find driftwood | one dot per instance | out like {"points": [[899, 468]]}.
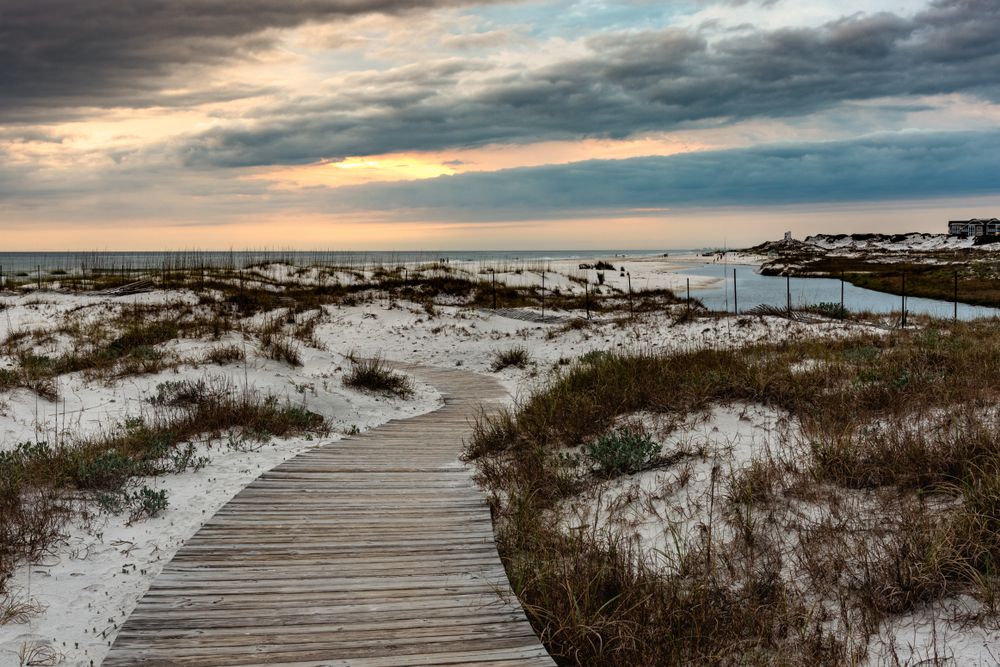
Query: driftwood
{"points": [[523, 315], [773, 311]]}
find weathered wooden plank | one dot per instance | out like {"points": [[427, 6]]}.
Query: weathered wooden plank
{"points": [[381, 653], [372, 551], [344, 648], [238, 630], [442, 560], [480, 658], [452, 582], [189, 617], [417, 603], [305, 573]]}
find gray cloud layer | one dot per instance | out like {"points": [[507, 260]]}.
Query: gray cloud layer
{"points": [[881, 167], [56, 55], [629, 83], [108, 53]]}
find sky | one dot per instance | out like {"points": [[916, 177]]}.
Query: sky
{"points": [[536, 124]]}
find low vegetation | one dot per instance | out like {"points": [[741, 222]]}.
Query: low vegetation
{"points": [[516, 356], [619, 453], [42, 484], [895, 464], [375, 374]]}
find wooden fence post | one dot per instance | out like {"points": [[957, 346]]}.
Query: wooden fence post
{"points": [[630, 312]]}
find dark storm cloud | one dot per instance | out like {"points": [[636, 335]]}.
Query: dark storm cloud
{"points": [[107, 53], [881, 167], [630, 83]]}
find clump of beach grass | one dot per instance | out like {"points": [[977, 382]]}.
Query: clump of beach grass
{"points": [[275, 343], [225, 354], [516, 356], [375, 374]]}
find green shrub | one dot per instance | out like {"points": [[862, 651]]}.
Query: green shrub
{"points": [[185, 458], [251, 441], [110, 470], [224, 354], [143, 336], [623, 452], [142, 504], [34, 361]]}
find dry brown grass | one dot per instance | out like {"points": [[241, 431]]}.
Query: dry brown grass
{"points": [[15, 608], [887, 501]]}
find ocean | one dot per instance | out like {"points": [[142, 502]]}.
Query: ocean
{"points": [[76, 262]]}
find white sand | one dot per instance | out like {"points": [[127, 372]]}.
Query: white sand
{"points": [[95, 576]]}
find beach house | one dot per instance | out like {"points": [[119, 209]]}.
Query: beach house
{"points": [[974, 227]]}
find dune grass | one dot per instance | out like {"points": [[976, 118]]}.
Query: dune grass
{"points": [[900, 427], [375, 374], [42, 484], [517, 356]]}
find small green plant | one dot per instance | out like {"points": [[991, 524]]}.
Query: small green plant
{"points": [[280, 348], [110, 470], [34, 361], [185, 458], [141, 504], [833, 310], [146, 335], [623, 452], [251, 441], [516, 356]]}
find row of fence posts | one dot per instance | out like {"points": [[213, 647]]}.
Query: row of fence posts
{"points": [[788, 292], [586, 293]]}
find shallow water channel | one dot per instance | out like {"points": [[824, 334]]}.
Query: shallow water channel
{"points": [[753, 290]]}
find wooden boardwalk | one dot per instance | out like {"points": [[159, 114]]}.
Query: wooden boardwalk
{"points": [[374, 551]]}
